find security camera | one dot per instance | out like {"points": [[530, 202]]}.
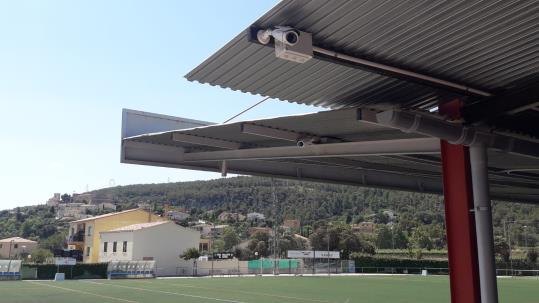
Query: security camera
{"points": [[308, 140], [286, 35], [290, 43], [282, 34]]}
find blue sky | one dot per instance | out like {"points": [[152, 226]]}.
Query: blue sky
{"points": [[67, 68]]}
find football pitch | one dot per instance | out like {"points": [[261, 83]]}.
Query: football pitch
{"points": [[337, 289]]}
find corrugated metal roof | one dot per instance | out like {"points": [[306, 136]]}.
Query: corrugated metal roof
{"points": [[486, 44], [340, 124], [511, 177]]}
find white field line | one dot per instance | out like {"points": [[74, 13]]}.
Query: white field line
{"points": [[255, 293], [83, 292], [168, 292]]}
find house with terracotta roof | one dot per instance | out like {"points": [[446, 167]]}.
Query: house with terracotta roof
{"points": [[15, 247], [161, 241]]}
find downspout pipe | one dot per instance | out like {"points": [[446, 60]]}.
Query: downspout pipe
{"points": [[483, 223], [455, 133], [478, 142]]}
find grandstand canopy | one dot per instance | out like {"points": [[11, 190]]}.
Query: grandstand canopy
{"points": [[483, 53], [349, 150], [489, 46]]}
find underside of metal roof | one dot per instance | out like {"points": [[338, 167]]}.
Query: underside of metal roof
{"points": [[383, 67], [348, 150], [489, 45]]}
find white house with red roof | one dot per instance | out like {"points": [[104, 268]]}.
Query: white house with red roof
{"points": [[162, 241]]}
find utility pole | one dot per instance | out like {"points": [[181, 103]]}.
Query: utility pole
{"points": [[329, 271], [10, 244], [392, 238], [275, 226], [211, 246], [510, 249], [9, 264], [504, 231], [525, 236]]}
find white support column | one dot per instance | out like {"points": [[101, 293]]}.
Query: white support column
{"points": [[483, 224]]}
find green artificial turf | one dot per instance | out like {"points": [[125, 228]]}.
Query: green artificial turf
{"points": [[255, 290]]}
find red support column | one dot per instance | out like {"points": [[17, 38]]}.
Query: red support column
{"points": [[459, 221]]}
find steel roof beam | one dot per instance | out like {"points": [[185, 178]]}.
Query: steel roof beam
{"points": [[269, 132], [397, 72], [178, 137], [363, 148], [166, 156], [509, 104]]}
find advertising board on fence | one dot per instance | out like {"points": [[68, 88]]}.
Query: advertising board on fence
{"points": [[64, 261], [316, 254]]}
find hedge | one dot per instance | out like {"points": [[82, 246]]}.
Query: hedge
{"points": [[78, 271], [368, 261]]}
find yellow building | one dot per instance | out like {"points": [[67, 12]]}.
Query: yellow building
{"points": [[84, 234]]}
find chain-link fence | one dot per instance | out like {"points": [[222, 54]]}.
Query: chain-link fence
{"points": [[10, 269], [315, 267]]}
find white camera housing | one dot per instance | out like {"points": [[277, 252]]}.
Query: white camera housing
{"points": [[285, 35], [290, 44]]}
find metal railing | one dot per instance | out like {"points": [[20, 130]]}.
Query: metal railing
{"points": [[318, 270], [76, 238]]}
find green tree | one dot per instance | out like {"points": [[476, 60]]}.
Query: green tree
{"points": [[501, 248], [384, 237], [400, 238], [262, 249], [218, 245], [381, 218], [56, 241], [18, 214], [27, 229], [340, 238], [531, 256], [259, 243], [287, 241], [230, 238], [260, 236], [190, 253], [41, 255], [420, 239], [243, 254]]}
